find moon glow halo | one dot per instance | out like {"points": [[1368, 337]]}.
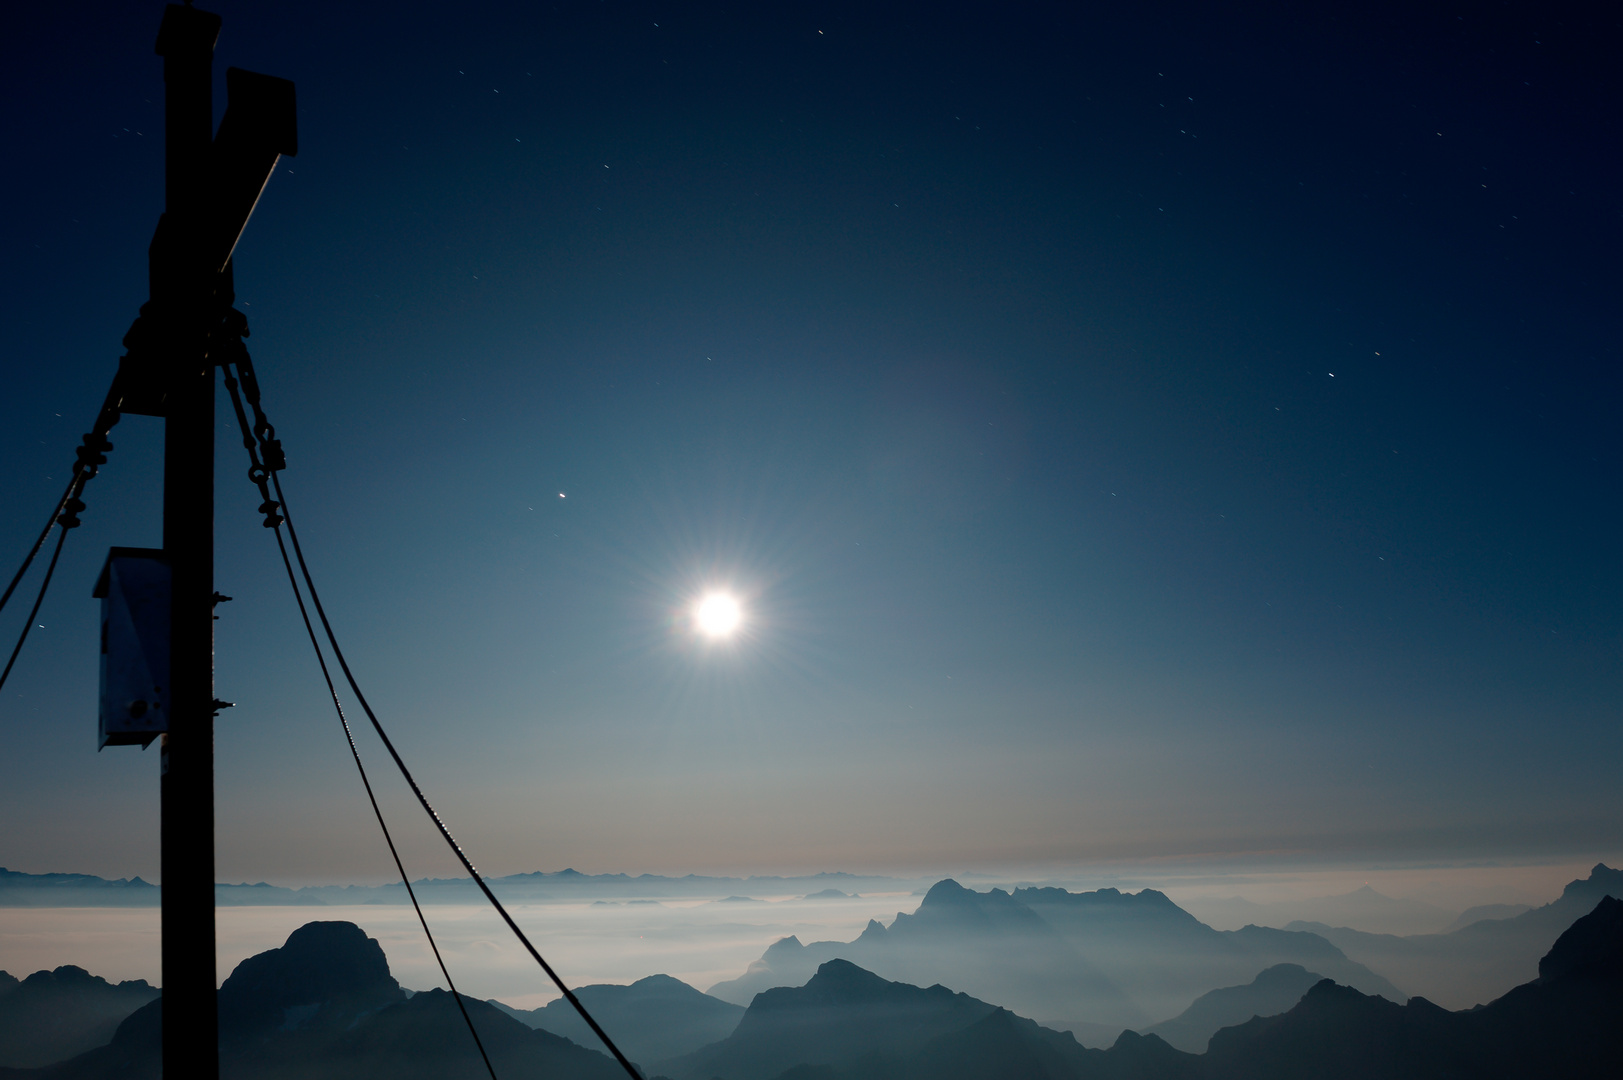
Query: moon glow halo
{"points": [[717, 615]]}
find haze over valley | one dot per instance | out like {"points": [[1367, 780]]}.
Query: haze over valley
{"points": [[1096, 968]]}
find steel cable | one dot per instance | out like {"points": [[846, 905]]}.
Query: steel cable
{"points": [[467, 864], [393, 853], [91, 453], [38, 600], [276, 514], [257, 473], [44, 533]]}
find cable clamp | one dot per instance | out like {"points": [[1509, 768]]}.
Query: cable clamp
{"points": [[69, 517]]}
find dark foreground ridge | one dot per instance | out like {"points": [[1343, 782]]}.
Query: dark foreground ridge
{"points": [[52, 1015], [1481, 960], [652, 1019], [324, 1007], [1272, 992], [850, 1024]]}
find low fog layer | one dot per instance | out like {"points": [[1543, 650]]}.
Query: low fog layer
{"points": [[326, 1005], [616, 933], [735, 945], [700, 942]]}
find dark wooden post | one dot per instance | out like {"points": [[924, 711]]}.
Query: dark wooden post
{"points": [[184, 304]]}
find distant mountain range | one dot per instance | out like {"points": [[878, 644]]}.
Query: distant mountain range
{"points": [[1478, 961], [18, 889], [324, 1006], [1094, 962], [1564, 1024], [1480, 912], [849, 1024], [1363, 907]]}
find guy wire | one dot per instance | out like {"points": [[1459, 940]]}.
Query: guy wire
{"points": [[38, 600], [257, 472], [467, 864], [291, 580]]}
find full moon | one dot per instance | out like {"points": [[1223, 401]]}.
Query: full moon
{"points": [[717, 615]]}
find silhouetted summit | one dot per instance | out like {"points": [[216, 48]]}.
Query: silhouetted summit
{"points": [[1479, 961], [986, 944], [1273, 991], [324, 1007], [1097, 961], [52, 1015], [841, 1015], [1164, 957], [1566, 1024], [850, 1024], [1591, 948], [651, 1019], [327, 975]]}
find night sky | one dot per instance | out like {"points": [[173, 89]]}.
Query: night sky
{"points": [[1133, 432]]}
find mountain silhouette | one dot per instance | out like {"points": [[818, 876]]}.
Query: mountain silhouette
{"points": [[1565, 1023], [326, 976], [52, 1015], [1363, 908], [1273, 991], [986, 944], [18, 889], [1164, 957], [1479, 961], [1096, 961], [425, 1039], [652, 1019], [1486, 911], [324, 1007], [847, 1023]]}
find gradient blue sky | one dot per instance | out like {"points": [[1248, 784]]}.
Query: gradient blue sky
{"points": [[1179, 432]]}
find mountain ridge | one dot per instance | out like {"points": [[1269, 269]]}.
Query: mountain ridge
{"points": [[1561, 1024], [1101, 961], [324, 1006], [20, 889], [52, 1015], [1484, 959], [656, 1017]]}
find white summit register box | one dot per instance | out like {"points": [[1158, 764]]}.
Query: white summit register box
{"points": [[134, 593]]}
